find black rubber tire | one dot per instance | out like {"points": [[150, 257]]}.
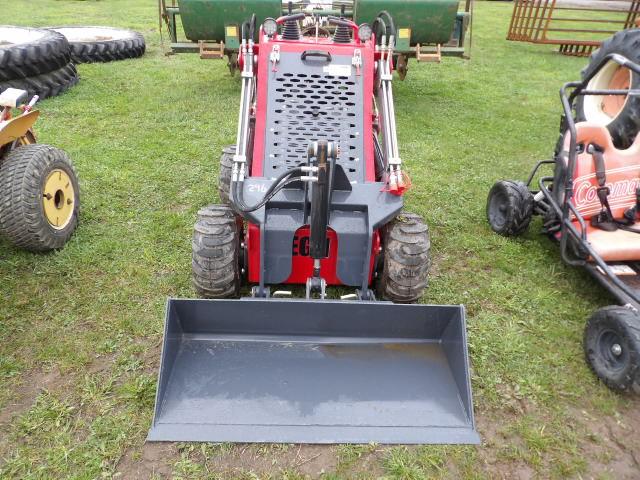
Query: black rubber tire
{"points": [[23, 172], [48, 84], [48, 53], [216, 270], [106, 50], [626, 124], [405, 264], [509, 207], [224, 174], [607, 327]]}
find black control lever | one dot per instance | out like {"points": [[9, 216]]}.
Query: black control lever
{"points": [[339, 21], [292, 17]]}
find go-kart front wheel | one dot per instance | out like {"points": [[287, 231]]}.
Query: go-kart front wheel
{"points": [[509, 207], [612, 347]]}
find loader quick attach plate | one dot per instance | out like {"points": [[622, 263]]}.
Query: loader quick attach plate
{"points": [[303, 371]]}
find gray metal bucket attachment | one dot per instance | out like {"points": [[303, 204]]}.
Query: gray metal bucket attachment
{"points": [[299, 371]]}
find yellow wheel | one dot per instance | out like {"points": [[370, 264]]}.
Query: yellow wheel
{"points": [[39, 197], [58, 197]]}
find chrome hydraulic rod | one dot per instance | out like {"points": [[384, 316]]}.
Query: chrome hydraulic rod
{"points": [[387, 117], [242, 139]]}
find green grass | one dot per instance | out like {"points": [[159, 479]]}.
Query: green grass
{"points": [[80, 329]]}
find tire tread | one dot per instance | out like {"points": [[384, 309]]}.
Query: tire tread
{"points": [[22, 220], [406, 263], [215, 247], [23, 60]]}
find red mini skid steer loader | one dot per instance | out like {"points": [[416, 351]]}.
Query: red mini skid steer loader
{"points": [[591, 207], [313, 190]]}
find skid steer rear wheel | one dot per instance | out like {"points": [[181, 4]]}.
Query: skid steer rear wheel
{"points": [[216, 262], [612, 347], [39, 197], [406, 262], [224, 174], [509, 208]]}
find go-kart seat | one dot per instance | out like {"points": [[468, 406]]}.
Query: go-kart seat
{"points": [[622, 169]]}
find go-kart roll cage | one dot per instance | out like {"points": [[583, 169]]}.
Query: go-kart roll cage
{"points": [[566, 211]]}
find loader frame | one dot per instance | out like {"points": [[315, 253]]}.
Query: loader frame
{"points": [[358, 202]]}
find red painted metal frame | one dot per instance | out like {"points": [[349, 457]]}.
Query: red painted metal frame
{"points": [[264, 69], [302, 266]]}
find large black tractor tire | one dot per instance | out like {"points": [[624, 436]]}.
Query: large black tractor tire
{"points": [[612, 347], [625, 125], [38, 211], [405, 259], [216, 262], [509, 208], [46, 85], [102, 44], [224, 174], [26, 52]]}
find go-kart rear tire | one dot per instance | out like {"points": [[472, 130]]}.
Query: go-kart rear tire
{"points": [[30, 52], [406, 260], [626, 124], [24, 175], [612, 347], [224, 174], [216, 270], [509, 208]]}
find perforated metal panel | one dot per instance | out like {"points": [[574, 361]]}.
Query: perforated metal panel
{"points": [[306, 104]]}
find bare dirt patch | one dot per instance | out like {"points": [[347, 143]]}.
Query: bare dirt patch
{"points": [[25, 395], [614, 446], [23, 399], [154, 459]]}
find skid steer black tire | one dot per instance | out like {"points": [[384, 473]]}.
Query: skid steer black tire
{"points": [[46, 85], [224, 174], [626, 124], [96, 48], [509, 208], [48, 51], [612, 347], [23, 172], [216, 253], [406, 261]]}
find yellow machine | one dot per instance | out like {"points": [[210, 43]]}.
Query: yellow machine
{"points": [[39, 191]]}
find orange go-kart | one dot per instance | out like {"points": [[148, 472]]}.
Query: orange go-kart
{"points": [[591, 207]]}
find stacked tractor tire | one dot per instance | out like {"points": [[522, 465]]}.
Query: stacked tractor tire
{"points": [[42, 61], [35, 60]]}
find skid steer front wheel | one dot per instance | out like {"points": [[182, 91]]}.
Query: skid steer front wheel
{"points": [[216, 247], [406, 261], [612, 347], [39, 197]]}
